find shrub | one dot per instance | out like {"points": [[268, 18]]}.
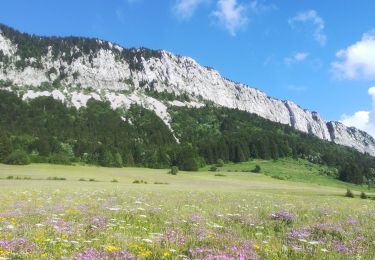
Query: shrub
{"points": [[278, 177], [118, 162], [257, 169], [10, 177], [92, 180], [140, 182], [213, 169], [220, 175], [18, 157], [114, 180], [56, 178], [363, 195], [349, 193], [174, 170], [82, 179], [163, 183], [220, 163]]}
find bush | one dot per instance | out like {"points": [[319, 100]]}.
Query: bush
{"points": [[18, 157], [349, 193], [140, 182], [220, 163], [82, 179], [56, 178], [213, 169], [277, 177], [220, 175], [363, 195], [118, 162], [257, 169], [114, 180], [174, 170]]}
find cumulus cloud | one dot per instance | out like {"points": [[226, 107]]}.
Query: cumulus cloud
{"points": [[364, 120], [296, 58], [185, 9], [358, 60], [311, 16], [231, 15]]}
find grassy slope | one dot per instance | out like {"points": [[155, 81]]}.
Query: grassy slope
{"points": [[302, 177], [288, 169], [241, 203]]}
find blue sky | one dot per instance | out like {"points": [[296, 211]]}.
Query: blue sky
{"points": [[320, 54]]}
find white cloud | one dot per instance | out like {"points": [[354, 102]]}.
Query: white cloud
{"points": [[364, 120], [357, 60], [231, 15], [185, 9], [296, 58], [311, 16]]}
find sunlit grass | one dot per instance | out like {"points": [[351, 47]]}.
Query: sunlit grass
{"points": [[59, 213]]}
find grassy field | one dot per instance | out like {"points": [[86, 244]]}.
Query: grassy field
{"points": [[85, 212]]}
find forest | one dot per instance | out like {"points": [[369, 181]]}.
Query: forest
{"points": [[44, 130]]}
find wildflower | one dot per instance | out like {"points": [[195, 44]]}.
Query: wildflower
{"points": [[283, 216], [111, 248], [166, 254], [10, 227]]}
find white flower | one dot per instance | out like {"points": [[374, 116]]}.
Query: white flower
{"points": [[324, 250], [10, 227], [147, 240]]}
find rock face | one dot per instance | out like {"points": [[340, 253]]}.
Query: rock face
{"points": [[105, 71]]}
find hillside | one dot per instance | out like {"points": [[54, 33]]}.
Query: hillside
{"points": [[75, 69], [72, 99]]}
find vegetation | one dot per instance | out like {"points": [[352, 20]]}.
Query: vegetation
{"points": [[67, 49], [174, 170], [349, 194], [46, 131], [18, 157], [256, 169], [196, 216]]}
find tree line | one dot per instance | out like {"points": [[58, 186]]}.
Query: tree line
{"points": [[46, 130]]}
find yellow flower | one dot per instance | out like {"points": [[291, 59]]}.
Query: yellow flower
{"points": [[111, 248], [13, 221], [145, 253], [166, 254], [44, 255], [4, 253], [256, 247]]}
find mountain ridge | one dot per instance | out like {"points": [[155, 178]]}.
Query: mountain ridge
{"points": [[75, 69]]}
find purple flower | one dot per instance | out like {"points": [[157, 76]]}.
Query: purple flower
{"points": [[283, 216]]}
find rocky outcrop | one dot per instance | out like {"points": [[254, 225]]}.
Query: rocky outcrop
{"points": [[105, 74]]}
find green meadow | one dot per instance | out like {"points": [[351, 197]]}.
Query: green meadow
{"points": [[289, 210]]}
